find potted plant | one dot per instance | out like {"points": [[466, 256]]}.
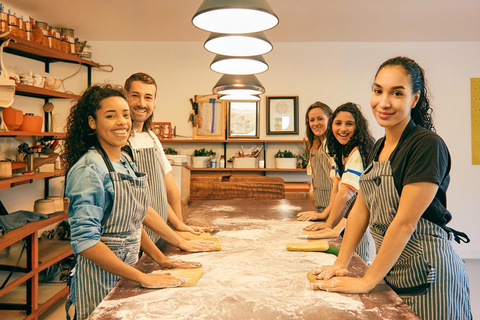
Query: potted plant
{"points": [[302, 161], [202, 158], [285, 160]]}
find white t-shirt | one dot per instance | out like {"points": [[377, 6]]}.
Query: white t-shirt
{"points": [[352, 171], [146, 140]]}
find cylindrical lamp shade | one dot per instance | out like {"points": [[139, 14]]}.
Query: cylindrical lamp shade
{"points": [[238, 82], [242, 45], [235, 16], [239, 97], [239, 65]]}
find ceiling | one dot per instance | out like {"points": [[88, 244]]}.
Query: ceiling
{"points": [[300, 20]]}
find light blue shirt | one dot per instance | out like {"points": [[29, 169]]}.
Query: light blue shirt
{"points": [[90, 190]]}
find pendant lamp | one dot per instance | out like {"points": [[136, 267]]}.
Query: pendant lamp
{"points": [[238, 45], [239, 97], [235, 16], [239, 65], [240, 84]]}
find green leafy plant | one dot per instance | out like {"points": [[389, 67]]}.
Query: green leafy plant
{"points": [[302, 161], [202, 153], [285, 154], [170, 151]]}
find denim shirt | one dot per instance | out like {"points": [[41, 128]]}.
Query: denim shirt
{"points": [[90, 190]]}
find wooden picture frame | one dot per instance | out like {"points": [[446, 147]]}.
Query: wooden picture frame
{"points": [[163, 130], [243, 120], [210, 118], [282, 115]]}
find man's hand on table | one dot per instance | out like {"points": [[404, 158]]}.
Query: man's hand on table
{"points": [[179, 264], [197, 245]]}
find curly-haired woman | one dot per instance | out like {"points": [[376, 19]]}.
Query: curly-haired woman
{"points": [[403, 199], [108, 201], [349, 141], [319, 164]]}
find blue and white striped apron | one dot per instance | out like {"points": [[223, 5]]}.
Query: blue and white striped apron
{"points": [[321, 180], [429, 276], [121, 233], [147, 161]]}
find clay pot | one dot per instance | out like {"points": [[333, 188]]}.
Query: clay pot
{"points": [[31, 123], [45, 206], [13, 118], [5, 169]]}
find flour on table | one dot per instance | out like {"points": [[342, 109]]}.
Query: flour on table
{"points": [[252, 275]]}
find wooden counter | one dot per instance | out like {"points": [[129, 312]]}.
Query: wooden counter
{"points": [[263, 283]]}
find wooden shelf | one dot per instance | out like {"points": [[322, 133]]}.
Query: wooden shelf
{"points": [[26, 134], [27, 178], [13, 236], [36, 51], [37, 92]]}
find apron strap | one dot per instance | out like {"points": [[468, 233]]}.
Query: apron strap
{"points": [[458, 236], [105, 158]]}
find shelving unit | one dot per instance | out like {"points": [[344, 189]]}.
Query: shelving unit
{"points": [[39, 255], [225, 142]]}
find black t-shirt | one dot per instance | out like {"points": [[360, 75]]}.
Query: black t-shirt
{"points": [[421, 156]]}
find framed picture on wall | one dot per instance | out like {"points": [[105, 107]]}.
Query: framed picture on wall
{"points": [[282, 115], [243, 120]]}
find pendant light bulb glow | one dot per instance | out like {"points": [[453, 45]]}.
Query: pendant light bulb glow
{"points": [[244, 45], [231, 83], [239, 97], [239, 65], [235, 16]]}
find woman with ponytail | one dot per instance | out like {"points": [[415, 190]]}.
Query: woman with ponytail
{"points": [[402, 198]]}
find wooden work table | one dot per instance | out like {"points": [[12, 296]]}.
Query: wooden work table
{"points": [[250, 292]]}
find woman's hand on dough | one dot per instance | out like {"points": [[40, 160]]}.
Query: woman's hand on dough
{"points": [[315, 226], [197, 245], [344, 284], [309, 215], [179, 264], [327, 272], [151, 280], [326, 233]]}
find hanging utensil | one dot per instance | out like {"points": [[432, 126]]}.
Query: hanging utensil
{"points": [[212, 101], [48, 108]]}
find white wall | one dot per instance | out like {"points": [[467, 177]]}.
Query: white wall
{"points": [[331, 72]]}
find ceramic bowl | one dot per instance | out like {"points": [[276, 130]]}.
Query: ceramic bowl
{"points": [[13, 118], [52, 83], [45, 206], [31, 123], [58, 201]]}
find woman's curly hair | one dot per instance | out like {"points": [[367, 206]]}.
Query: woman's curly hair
{"points": [[361, 138], [421, 114], [80, 137]]}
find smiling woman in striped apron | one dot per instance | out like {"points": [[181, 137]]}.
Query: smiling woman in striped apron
{"points": [[108, 201], [320, 163], [349, 141], [403, 198]]}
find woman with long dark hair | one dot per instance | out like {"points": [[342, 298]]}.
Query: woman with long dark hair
{"points": [[108, 201], [403, 199], [348, 141]]}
